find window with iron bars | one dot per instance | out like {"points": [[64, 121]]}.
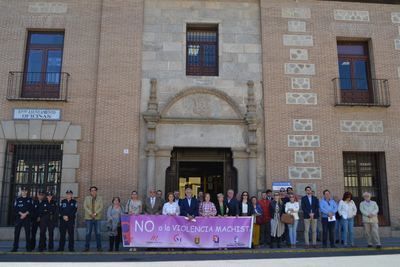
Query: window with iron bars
{"points": [[202, 50], [37, 166]]}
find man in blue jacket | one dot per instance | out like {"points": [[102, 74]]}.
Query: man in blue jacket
{"points": [[328, 208], [310, 208], [231, 203], [189, 206]]}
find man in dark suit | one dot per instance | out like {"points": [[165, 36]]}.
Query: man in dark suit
{"points": [[232, 203], [153, 204], [189, 206], [310, 207]]}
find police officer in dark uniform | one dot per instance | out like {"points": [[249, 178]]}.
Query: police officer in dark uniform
{"points": [[23, 208], [36, 218], [48, 213], [68, 208]]}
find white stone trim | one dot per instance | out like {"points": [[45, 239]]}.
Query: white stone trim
{"points": [[351, 15]]}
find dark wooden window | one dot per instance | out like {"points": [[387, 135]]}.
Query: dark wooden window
{"points": [[37, 166], [43, 61], [202, 50], [354, 72], [366, 172]]}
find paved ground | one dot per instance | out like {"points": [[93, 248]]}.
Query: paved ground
{"points": [[391, 246]]}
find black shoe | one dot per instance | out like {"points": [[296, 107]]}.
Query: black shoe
{"points": [[333, 246], [369, 246], [86, 250], [324, 246], [337, 241], [14, 250], [109, 250], [99, 250], [28, 250], [41, 250], [60, 249], [51, 250], [71, 250], [378, 247]]}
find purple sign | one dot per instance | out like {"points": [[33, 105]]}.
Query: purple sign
{"points": [[162, 231]]}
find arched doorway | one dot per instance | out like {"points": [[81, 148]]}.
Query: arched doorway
{"points": [[207, 169]]}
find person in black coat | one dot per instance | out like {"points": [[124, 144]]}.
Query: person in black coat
{"points": [[23, 209], [221, 206], [277, 227], [35, 218], [48, 214], [245, 205], [189, 206], [68, 208], [232, 204]]}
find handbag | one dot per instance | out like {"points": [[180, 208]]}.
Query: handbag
{"points": [[287, 218]]}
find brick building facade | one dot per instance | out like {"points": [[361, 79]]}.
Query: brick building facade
{"points": [[157, 94]]}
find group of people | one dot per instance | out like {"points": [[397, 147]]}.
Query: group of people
{"points": [[276, 216]]}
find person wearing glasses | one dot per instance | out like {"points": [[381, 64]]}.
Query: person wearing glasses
{"points": [[93, 206], [134, 204], [244, 205]]}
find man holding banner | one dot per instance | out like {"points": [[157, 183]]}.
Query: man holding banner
{"points": [[189, 206]]}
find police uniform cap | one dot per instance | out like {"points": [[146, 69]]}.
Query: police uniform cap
{"points": [[69, 192], [24, 188], [49, 193]]}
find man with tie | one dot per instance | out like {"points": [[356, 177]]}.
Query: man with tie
{"points": [[153, 204], [310, 207], [189, 206], [232, 203]]}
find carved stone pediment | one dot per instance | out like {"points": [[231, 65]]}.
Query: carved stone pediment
{"points": [[201, 104]]}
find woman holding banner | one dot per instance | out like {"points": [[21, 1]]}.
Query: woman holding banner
{"points": [[222, 209], [171, 207], [207, 208], [256, 212]]}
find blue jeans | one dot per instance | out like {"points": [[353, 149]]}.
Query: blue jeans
{"points": [[90, 224], [347, 230], [293, 232]]}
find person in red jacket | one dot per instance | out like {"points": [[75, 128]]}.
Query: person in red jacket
{"points": [[265, 220]]}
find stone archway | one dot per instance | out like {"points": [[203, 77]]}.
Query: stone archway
{"points": [[201, 117]]}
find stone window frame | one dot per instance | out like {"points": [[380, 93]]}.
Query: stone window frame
{"points": [[46, 131]]}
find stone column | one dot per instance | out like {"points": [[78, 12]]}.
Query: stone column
{"points": [[251, 119], [240, 162], [151, 116], [163, 160]]}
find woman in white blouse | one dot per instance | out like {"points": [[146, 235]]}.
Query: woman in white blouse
{"points": [[292, 207], [347, 210], [171, 207]]}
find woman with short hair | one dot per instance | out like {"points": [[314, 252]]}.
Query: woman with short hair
{"points": [[171, 207], [277, 227], [207, 208], [347, 210], [114, 213]]}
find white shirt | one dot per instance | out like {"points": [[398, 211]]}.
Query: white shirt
{"points": [[244, 208], [347, 209], [295, 207], [152, 201], [170, 209]]}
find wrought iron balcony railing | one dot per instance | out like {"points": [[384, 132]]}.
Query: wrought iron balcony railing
{"points": [[361, 92], [44, 86]]}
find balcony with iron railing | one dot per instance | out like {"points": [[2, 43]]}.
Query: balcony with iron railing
{"points": [[38, 86], [361, 92]]}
